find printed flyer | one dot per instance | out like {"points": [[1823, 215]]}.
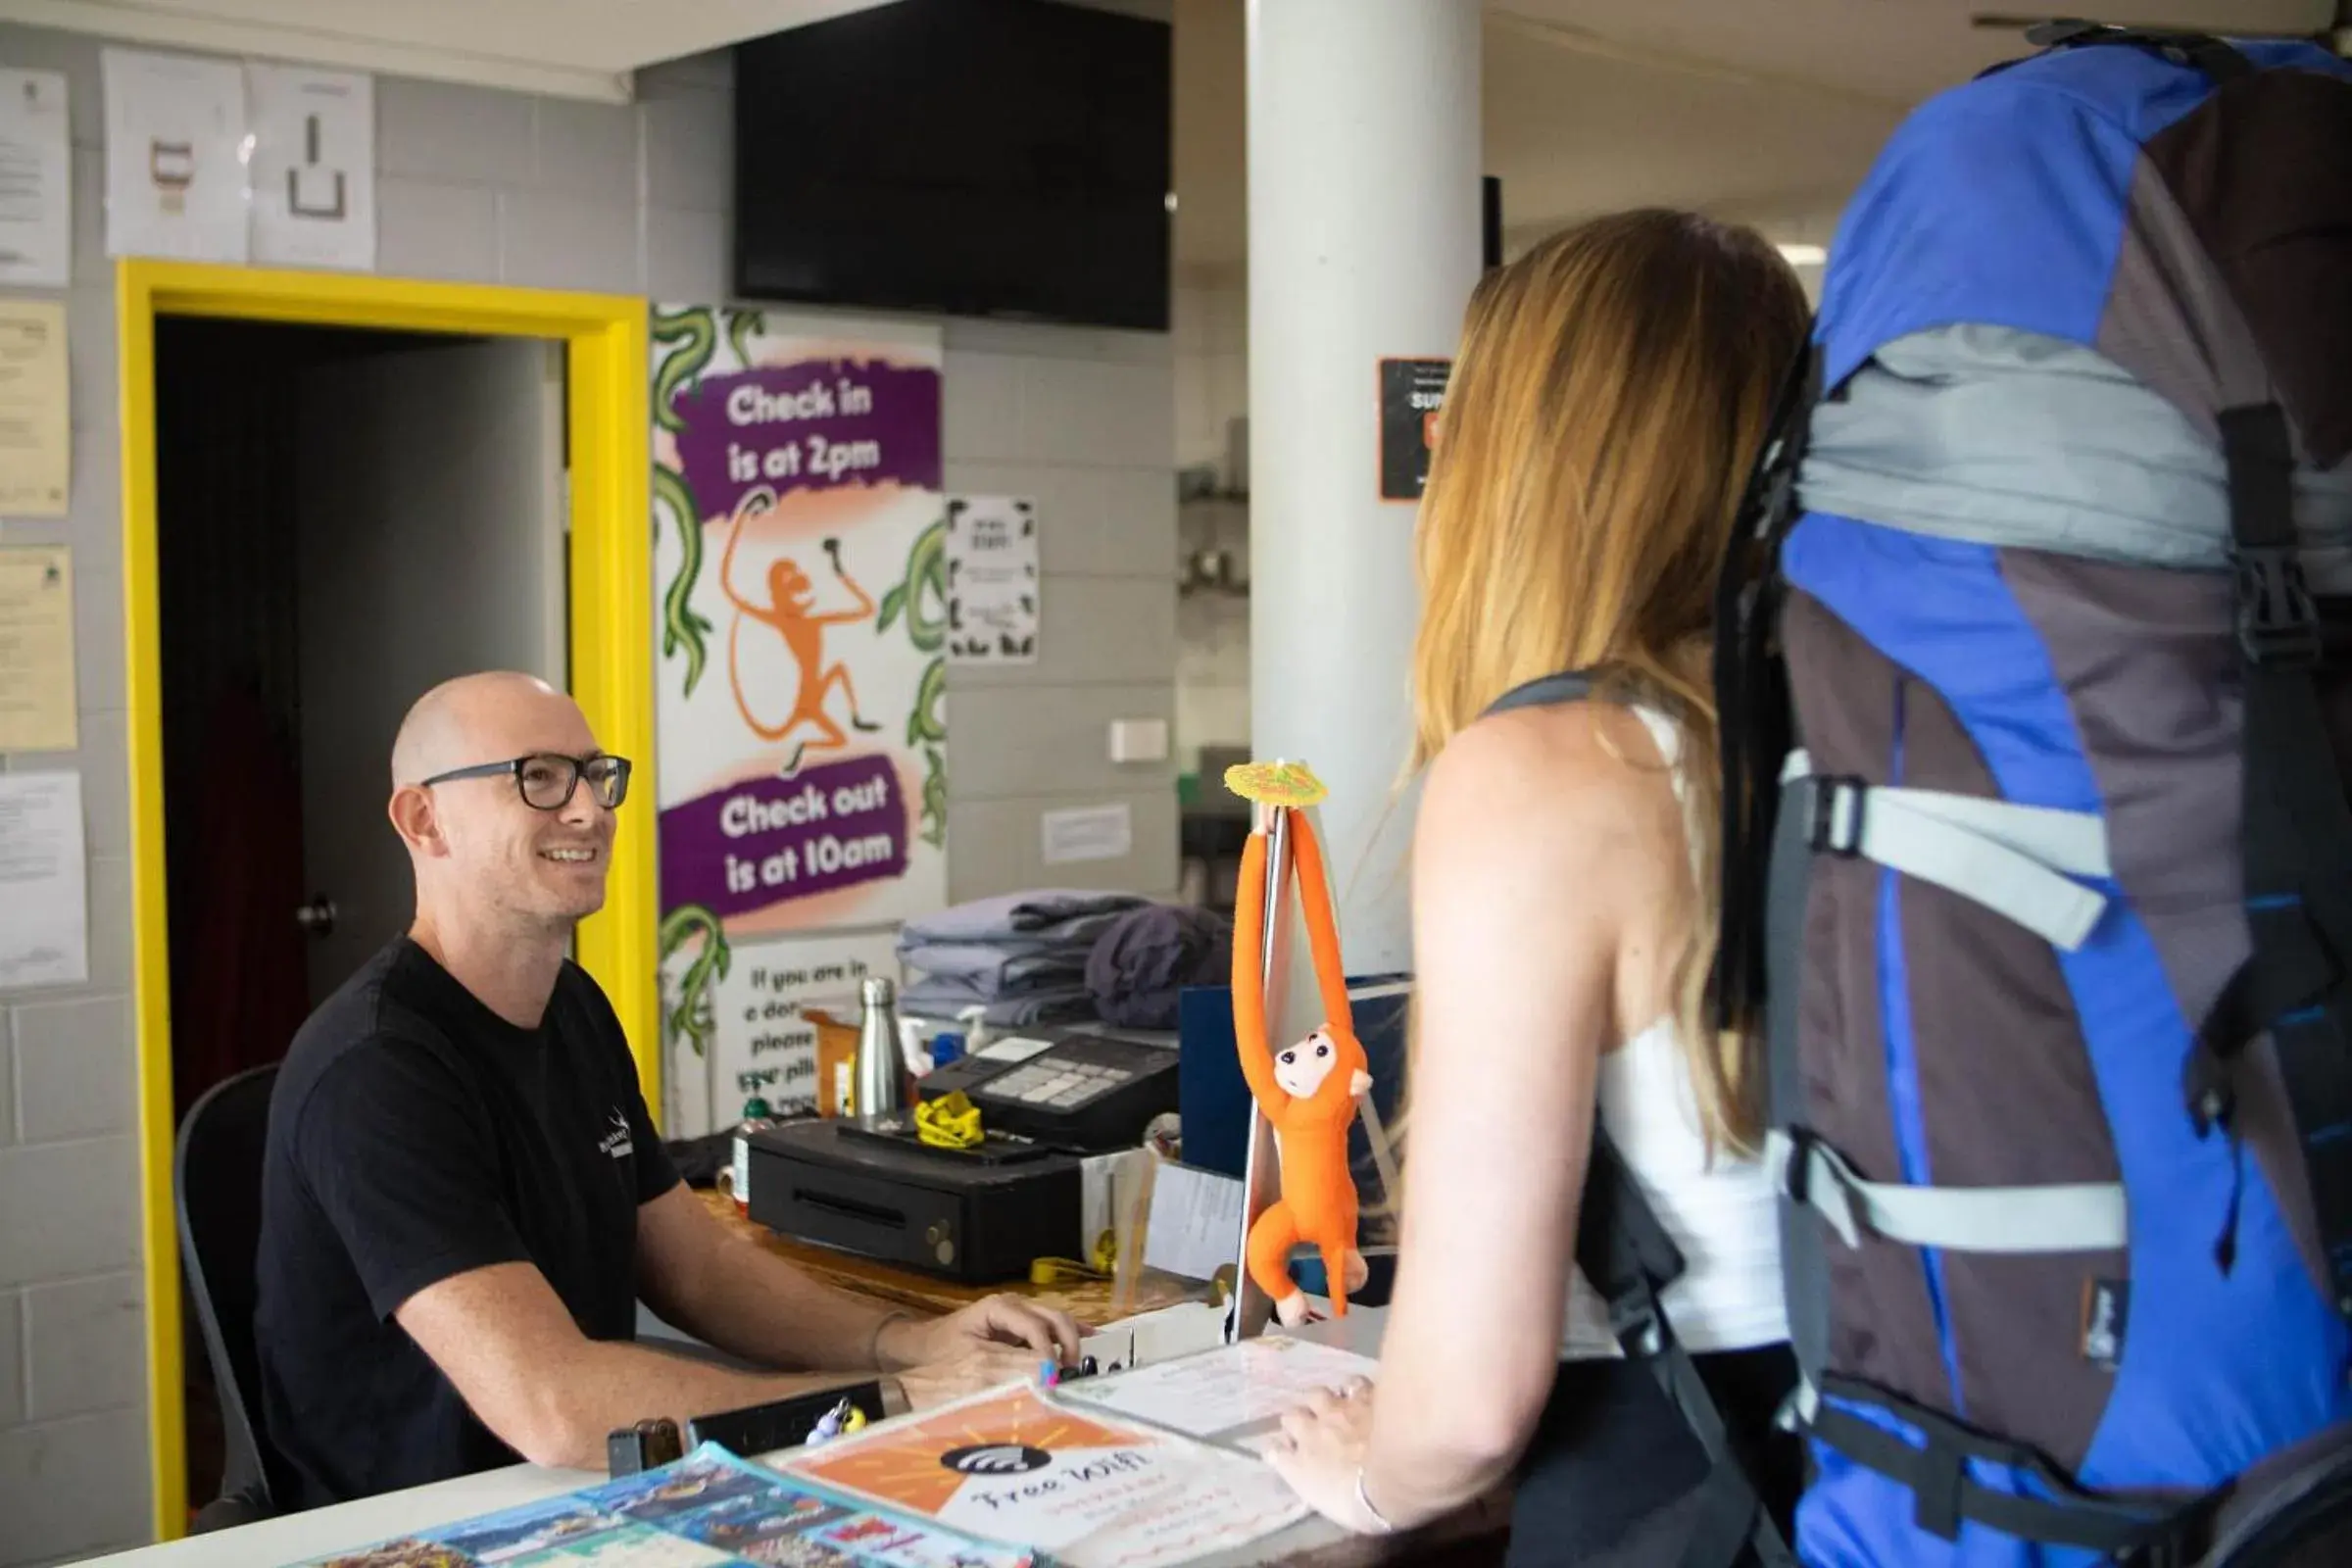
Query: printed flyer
{"points": [[1091, 1492], [800, 576], [993, 584], [708, 1510]]}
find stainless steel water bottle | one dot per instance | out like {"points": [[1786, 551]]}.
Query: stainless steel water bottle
{"points": [[879, 1087]]}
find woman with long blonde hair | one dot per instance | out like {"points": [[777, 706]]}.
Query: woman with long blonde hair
{"points": [[1611, 392]]}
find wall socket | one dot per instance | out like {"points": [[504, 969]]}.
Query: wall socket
{"points": [[1139, 740]]}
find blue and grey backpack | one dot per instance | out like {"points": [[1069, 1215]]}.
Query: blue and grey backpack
{"points": [[2037, 698]]}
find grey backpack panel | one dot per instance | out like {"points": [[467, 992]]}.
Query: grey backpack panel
{"points": [[2009, 438]]}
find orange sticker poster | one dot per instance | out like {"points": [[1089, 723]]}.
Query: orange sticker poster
{"points": [[1017, 1467]]}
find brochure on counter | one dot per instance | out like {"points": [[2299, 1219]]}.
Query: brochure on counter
{"points": [[1091, 1490], [1147, 1469], [706, 1511]]}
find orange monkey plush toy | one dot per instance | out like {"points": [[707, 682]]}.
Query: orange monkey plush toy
{"points": [[1307, 1091]]}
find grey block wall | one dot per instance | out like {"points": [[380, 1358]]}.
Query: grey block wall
{"points": [[498, 188]]}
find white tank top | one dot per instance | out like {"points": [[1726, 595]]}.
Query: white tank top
{"points": [[1720, 1213]]}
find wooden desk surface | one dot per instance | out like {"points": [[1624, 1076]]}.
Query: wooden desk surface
{"points": [[1089, 1301]]}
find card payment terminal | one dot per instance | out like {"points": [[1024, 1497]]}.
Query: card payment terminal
{"points": [[1074, 1089]]}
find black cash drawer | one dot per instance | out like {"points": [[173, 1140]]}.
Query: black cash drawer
{"points": [[932, 1211]]}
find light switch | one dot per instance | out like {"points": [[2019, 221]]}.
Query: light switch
{"points": [[1139, 740]]}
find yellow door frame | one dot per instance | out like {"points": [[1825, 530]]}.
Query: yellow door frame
{"points": [[611, 674]]}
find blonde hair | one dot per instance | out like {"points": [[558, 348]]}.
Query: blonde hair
{"points": [[1610, 395]]}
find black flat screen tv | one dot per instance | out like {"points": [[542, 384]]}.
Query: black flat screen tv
{"points": [[1004, 158]]}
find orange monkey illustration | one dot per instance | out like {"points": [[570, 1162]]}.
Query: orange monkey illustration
{"points": [[790, 613], [1307, 1092]]}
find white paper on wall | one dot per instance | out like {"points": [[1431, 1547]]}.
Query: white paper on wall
{"points": [[44, 888], [314, 167], [1087, 833], [175, 150], [36, 181], [993, 584]]}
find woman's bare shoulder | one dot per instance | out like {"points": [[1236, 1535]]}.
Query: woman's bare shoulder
{"points": [[1523, 805], [1570, 767]]}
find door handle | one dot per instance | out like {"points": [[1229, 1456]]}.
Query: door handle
{"points": [[318, 916]]}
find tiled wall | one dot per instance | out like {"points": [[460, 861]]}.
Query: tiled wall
{"points": [[1081, 420], [497, 187]]}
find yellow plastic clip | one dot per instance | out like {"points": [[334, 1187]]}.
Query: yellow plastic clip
{"points": [[951, 1121]]}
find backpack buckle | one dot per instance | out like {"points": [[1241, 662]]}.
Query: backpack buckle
{"points": [[1637, 1325], [1838, 808], [2278, 619]]}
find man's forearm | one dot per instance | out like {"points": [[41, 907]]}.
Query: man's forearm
{"points": [[604, 1387], [754, 1305]]}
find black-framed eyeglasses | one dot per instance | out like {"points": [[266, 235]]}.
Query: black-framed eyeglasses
{"points": [[546, 779]]}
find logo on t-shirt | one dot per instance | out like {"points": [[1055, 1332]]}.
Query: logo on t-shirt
{"points": [[617, 1142]]}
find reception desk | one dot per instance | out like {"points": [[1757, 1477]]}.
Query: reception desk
{"points": [[1472, 1538]]}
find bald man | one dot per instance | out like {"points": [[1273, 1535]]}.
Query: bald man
{"points": [[463, 1197]]}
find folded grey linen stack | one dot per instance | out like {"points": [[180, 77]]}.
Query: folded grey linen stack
{"points": [[1020, 956], [998, 1010]]}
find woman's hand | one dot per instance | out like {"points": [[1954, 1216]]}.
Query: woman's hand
{"points": [[1320, 1453]]}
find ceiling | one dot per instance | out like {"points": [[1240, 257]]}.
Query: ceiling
{"points": [[1901, 50], [574, 48], [1765, 109]]}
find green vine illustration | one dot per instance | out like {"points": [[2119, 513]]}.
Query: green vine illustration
{"points": [[925, 584], [935, 797], [926, 720], [926, 574], [927, 727], [681, 627], [747, 325], [695, 1019], [696, 332]]}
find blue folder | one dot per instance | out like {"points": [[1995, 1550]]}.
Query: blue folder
{"points": [[1213, 1100]]}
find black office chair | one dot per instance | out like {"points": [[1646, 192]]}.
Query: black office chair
{"points": [[217, 1175]]}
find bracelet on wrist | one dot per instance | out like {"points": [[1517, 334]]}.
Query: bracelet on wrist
{"points": [[873, 1346], [1363, 1500]]}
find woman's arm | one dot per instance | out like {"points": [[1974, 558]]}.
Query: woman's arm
{"points": [[1532, 844]]}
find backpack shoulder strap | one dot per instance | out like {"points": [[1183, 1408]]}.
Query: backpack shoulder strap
{"points": [[1545, 691], [2297, 840]]}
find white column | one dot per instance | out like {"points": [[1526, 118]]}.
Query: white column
{"points": [[1364, 214]]}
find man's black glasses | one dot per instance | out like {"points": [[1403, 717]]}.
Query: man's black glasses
{"points": [[546, 779]]}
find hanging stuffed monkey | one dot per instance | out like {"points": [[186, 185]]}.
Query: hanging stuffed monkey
{"points": [[1307, 1091]]}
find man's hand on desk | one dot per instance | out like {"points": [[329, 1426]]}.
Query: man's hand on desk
{"points": [[995, 1323], [973, 1370], [989, 1343]]}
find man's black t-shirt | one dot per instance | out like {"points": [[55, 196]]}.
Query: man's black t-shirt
{"points": [[416, 1134]]}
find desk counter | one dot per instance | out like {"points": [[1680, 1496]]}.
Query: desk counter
{"points": [[1472, 1538]]}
